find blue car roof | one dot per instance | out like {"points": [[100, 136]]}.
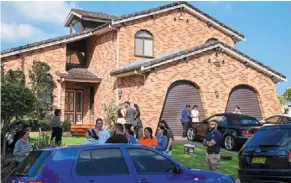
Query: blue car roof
{"points": [[93, 146]]}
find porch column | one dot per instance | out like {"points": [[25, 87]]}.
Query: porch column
{"points": [[59, 94]]}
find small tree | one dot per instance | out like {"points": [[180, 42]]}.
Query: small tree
{"points": [[285, 97], [16, 100], [41, 85], [110, 113]]}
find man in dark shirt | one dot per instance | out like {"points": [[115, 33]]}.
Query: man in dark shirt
{"points": [[213, 141], [186, 119], [118, 135]]}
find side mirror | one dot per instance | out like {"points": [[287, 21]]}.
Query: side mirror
{"points": [[177, 169]]}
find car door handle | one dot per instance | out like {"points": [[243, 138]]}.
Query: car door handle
{"points": [[90, 181], [143, 181]]}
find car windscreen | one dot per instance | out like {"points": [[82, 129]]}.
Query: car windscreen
{"points": [[272, 137], [31, 164]]}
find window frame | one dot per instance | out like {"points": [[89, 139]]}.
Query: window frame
{"points": [[148, 174], [91, 158], [143, 44]]}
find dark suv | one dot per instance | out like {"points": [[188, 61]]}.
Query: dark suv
{"points": [[266, 157]]}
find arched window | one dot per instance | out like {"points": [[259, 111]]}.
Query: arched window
{"points": [[211, 40], [143, 44]]}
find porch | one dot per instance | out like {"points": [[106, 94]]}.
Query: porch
{"points": [[77, 88]]}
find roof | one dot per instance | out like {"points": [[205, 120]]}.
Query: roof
{"points": [[187, 6], [146, 64], [83, 14], [57, 40], [92, 14], [79, 73]]}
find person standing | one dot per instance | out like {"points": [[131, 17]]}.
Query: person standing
{"points": [[170, 137], [130, 134], [137, 122], [162, 139], [148, 140], [57, 127], [120, 116], [22, 147], [195, 114], [186, 119], [118, 135], [130, 113], [92, 137], [237, 110], [213, 142], [103, 134]]}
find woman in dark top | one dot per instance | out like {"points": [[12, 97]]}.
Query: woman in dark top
{"points": [[57, 127], [137, 123], [169, 135]]}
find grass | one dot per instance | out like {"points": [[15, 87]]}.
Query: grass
{"points": [[195, 161]]}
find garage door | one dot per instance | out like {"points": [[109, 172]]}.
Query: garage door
{"points": [[179, 94], [246, 98]]}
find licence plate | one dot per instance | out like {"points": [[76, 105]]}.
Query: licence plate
{"points": [[259, 160]]}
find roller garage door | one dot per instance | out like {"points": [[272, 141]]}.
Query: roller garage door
{"points": [[246, 98], [179, 94]]}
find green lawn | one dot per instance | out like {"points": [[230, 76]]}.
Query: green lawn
{"points": [[196, 161]]}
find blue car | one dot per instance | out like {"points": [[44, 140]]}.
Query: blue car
{"points": [[110, 163]]}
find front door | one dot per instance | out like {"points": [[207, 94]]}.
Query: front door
{"points": [[74, 106]]}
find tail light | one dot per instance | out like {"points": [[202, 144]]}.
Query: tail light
{"points": [[247, 133], [289, 156], [35, 181]]}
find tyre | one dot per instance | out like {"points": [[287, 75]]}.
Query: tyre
{"points": [[191, 134], [229, 143]]}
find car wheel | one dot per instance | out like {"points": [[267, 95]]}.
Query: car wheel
{"points": [[229, 143], [191, 134]]}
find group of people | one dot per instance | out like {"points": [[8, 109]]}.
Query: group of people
{"points": [[123, 133], [189, 115]]}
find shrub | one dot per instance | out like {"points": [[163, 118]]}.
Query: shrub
{"points": [[66, 126], [44, 141], [45, 125]]}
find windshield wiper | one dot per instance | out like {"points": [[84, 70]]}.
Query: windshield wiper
{"points": [[269, 145]]}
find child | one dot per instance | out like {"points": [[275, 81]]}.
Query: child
{"points": [[162, 139], [92, 137]]}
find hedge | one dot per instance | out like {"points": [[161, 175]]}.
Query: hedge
{"points": [[45, 125]]}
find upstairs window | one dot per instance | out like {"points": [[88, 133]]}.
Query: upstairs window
{"points": [[211, 40], [76, 27], [143, 44]]}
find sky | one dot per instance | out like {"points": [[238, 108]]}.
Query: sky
{"points": [[266, 25]]}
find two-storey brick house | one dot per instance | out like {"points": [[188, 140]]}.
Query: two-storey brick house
{"points": [[160, 58]]}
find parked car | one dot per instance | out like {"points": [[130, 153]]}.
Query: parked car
{"points": [[110, 163], [266, 157], [13, 131], [235, 128], [277, 119]]}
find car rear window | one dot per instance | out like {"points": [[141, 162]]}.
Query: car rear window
{"points": [[247, 121], [31, 164], [271, 137]]}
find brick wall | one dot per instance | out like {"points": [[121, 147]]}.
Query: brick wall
{"points": [[102, 58], [168, 34], [54, 56], [150, 94]]}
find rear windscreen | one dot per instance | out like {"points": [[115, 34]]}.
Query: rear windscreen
{"points": [[271, 137], [31, 164], [246, 121]]}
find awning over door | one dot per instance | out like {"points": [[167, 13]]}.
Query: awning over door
{"points": [[246, 98], [179, 94]]}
